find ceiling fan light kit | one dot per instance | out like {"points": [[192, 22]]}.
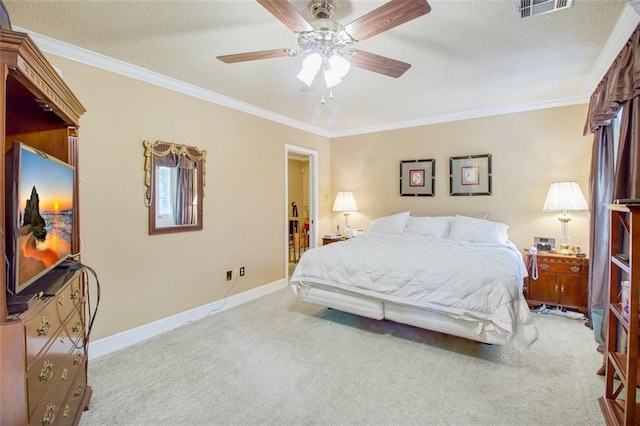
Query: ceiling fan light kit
{"points": [[327, 43], [334, 69]]}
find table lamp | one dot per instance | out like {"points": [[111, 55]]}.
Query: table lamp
{"points": [[564, 197], [346, 204]]}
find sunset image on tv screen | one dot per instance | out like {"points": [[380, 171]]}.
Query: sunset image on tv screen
{"points": [[45, 216]]}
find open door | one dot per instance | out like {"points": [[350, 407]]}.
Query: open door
{"points": [[301, 203]]}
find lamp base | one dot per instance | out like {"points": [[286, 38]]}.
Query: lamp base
{"points": [[565, 250], [348, 232]]}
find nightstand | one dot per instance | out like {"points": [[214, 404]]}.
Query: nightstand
{"points": [[562, 281], [329, 240]]}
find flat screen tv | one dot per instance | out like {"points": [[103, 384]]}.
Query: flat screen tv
{"points": [[39, 215]]}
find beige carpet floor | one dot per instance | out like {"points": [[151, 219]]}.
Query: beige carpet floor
{"points": [[277, 361]]}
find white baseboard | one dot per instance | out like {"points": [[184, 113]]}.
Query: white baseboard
{"points": [[135, 335]]}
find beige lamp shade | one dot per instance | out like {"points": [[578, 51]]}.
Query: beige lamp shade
{"points": [[564, 197], [345, 203]]}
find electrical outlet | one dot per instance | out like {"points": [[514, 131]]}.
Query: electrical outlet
{"points": [[228, 275], [242, 271], [236, 273]]}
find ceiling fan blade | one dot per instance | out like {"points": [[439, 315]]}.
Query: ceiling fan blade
{"points": [[252, 56], [380, 64], [385, 17], [287, 14]]}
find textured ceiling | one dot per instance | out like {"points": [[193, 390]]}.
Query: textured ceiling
{"points": [[469, 57]]}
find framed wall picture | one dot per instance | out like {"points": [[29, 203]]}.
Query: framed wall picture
{"points": [[417, 178], [470, 175]]}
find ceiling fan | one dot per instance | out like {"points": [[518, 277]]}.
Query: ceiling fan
{"points": [[328, 44]]}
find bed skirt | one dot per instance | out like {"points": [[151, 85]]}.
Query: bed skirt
{"points": [[378, 309]]}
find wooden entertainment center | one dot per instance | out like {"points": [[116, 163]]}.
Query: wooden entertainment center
{"points": [[43, 350]]}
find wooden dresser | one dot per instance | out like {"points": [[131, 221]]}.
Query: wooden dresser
{"points": [[562, 281], [43, 357], [54, 354]]}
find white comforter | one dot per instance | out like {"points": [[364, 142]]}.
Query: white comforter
{"points": [[474, 281]]}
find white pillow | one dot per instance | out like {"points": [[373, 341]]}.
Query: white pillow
{"points": [[465, 228], [430, 226], [393, 224], [476, 215]]}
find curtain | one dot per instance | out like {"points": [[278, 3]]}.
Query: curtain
{"points": [[601, 180], [600, 192], [186, 197], [627, 179], [618, 90], [187, 190], [186, 202]]}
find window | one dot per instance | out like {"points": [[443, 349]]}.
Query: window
{"points": [[166, 196]]}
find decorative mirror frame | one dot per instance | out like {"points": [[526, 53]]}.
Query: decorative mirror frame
{"points": [[161, 149]]}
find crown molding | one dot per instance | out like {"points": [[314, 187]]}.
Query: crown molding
{"points": [[465, 115], [97, 60], [625, 26]]}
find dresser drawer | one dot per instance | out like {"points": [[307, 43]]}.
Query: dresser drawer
{"points": [[67, 380], [74, 398], [50, 371], [568, 266], [50, 411], [47, 318]]}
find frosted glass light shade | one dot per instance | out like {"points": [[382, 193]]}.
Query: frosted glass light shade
{"points": [[310, 67], [338, 68]]}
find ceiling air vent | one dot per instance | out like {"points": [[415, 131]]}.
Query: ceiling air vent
{"points": [[529, 8]]}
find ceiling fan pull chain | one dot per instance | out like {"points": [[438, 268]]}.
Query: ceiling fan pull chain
{"points": [[322, 101]]}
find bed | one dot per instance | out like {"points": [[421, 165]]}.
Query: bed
{"points": [[452, 274]]}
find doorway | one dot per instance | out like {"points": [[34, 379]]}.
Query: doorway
{"points": [[301, 201]]}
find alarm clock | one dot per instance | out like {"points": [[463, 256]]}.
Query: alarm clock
{"points": [[544, 244]]}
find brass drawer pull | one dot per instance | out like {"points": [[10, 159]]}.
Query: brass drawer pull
{"points": [[556, 288], [78, 391], [76, 325], [575, 269], [49, 415], [44, 327], [562, 288], [77, 359], [46, 372], [544, 266]]}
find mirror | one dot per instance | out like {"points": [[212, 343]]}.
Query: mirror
{"points": [[174, 186]]}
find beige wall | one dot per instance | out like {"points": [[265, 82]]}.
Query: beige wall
{"points": [[146, 278], [530, 150]]}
